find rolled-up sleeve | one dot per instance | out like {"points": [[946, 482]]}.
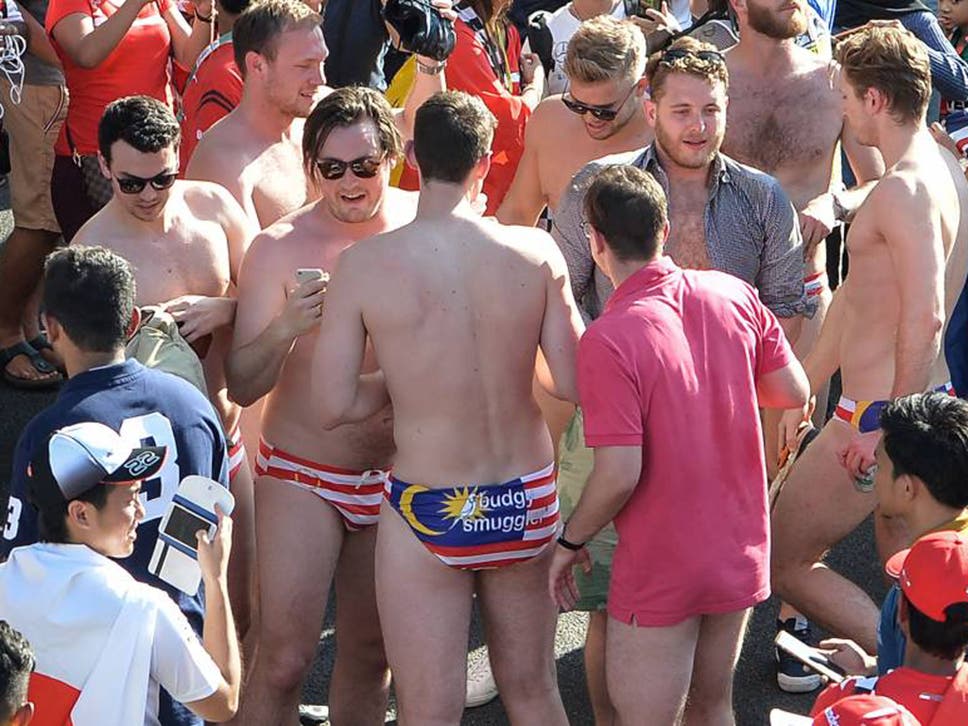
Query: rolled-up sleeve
{"points": [[780, 277]]}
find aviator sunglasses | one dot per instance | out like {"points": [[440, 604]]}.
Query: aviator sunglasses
{"points": [[135, 184], [366, 167], [602, 113]]}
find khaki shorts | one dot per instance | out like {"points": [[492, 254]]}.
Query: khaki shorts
{"points": [[575, 462], [33, 126]]}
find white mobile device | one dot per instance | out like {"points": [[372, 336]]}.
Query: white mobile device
{"points": [[175, 559], [305, 274], [810, 657]]}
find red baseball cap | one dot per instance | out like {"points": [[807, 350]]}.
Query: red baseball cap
{"points": [[864, 710], [933, 574]]}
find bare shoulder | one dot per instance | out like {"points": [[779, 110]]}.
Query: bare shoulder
{"points": [[219, 156], [534, 244], [549, 114], [96, 230], [208, 195]]}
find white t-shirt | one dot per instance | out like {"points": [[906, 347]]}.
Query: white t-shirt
{"points": [[103, 642]]}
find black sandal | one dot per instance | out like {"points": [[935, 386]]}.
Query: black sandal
{"points": [[39, 363]]}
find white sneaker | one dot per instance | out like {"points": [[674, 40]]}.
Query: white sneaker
{"points": [[481, 687], [313, 715]]}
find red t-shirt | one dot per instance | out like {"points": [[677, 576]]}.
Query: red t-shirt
{"points": [[671, 366], [468, 69], [137, 66], [921, 693], [213, 91]]}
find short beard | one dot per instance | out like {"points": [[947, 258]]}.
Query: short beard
{"points": [[766, 22]]}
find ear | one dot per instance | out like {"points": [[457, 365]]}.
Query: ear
{"points": [[483, 166], [53, 328], [596, 240], [874, 101], [78, 512], [664, 234], [254, 62], [409, 155], [903, 616], [24, 715], [908, 487], [641, 86], [650, 112], [135, 322], [103, 164]]}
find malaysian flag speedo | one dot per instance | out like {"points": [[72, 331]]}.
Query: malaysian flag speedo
{"points": [[481, 526]]}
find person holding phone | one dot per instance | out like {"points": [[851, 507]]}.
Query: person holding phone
{"points": [[89, 621]]}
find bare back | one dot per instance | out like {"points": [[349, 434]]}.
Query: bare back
{"points": [[455, 310], [914, 221], [265, 176], [190, 256], [308, 238]]}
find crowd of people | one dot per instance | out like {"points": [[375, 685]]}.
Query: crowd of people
{"points": [[544, 313]]}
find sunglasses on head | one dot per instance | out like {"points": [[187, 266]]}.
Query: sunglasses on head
{"points": [[710, 56], [602, 113], [135, 184], [366, 167]]}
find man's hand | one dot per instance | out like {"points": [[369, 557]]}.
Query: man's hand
{"points": [[858, 456], [213, 555], [849, 656], [561, 578], [817, 220], [790, 423], [662, 20], [198, 315], [532, 72], [303, 308]]}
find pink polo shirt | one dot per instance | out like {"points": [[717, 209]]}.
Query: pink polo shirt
{"points": [[671, 366]]}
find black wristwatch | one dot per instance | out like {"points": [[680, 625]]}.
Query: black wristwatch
{"points": [[567, 544]]}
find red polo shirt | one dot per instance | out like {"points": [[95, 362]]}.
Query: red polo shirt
{"points": [[671, 366]]}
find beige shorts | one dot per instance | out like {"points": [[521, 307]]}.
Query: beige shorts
{"points": [[33, 126]]}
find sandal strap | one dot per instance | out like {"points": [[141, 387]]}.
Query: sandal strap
{"points": [[25, 348], [40, 342]]}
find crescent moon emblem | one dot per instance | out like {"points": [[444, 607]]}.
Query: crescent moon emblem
{"points": [[406, 509]]}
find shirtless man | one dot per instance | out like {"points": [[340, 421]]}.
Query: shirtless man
{"points": [[601, 113], [456, 308], [785, 118], [256, 151], [185, 241], [884, 329], [318, 492]]}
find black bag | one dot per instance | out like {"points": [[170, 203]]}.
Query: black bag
{"points": [[421, 29]]}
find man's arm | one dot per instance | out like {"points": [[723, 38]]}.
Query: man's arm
{"points": [[912, 230], [525, 198], [614, 477], [567, 231], [425, 85], [780, 278], [267, 323], [239, 228], [560, 331], [822, 213], [339, 392]]}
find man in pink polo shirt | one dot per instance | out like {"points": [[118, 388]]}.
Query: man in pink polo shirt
{"points": [[670, 379]]}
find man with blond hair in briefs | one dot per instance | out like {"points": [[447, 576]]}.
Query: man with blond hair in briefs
{"points": [[908, 254]]}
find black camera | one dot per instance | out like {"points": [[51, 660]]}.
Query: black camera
{"points": [[420, 28]]}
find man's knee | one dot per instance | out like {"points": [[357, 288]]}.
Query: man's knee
{"points": [[361, 650], [523, 682], [284, 664]]}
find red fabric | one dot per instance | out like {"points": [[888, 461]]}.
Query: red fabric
{"points": [[137, 66], [52, 699], [671, 366], [468, 69], [919, 692], [214, 91]]}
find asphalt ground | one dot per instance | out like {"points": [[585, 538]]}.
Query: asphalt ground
{"points": [[755, 690]]}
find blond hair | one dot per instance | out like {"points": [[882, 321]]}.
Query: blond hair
{"points": [[894, 62], [604, 48], [661, 67]]}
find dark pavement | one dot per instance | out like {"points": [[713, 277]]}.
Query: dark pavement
{"points": [[755, 685]]}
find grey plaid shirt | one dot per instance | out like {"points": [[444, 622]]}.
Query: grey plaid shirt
{"points": [[751, 232]]}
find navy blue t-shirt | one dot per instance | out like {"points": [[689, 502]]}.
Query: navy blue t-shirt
{"points": [[158, 409]]}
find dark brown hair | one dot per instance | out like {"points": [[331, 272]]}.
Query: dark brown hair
{"points": [[452, 132], [628, 208]]}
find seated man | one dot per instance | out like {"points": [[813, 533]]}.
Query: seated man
{"points": [[104, 641], [933, 613], [16, 665]]}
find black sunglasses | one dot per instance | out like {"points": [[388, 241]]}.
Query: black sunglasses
{"points": [[135, 184], [602, 113], [710, 56], [366, 167]]}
